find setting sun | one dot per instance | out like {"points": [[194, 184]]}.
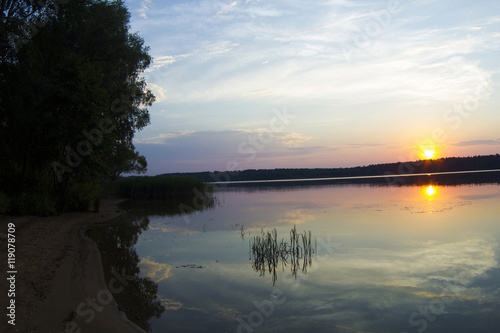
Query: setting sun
{"points": [[429, 153]]}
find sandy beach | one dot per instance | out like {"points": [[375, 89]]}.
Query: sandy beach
{"points": [[60, 284]]}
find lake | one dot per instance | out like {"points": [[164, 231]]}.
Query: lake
{"points": [[323, 258]]}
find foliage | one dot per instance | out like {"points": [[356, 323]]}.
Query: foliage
{"points": [[163, 187], [72, 99], [116, 243]]}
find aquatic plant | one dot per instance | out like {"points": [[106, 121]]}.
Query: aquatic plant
{"points": [[267, 253]]}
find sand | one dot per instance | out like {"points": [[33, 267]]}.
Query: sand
{"points": [[60, 276]]}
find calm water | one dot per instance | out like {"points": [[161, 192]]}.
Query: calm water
{"points": [[386, 259]]}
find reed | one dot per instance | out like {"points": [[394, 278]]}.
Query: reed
{"points": [[163, 187], [267, 253]]}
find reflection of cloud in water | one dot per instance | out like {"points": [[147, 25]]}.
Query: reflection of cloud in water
{"points": [[438, 208], [173, 305], [154, 270], [227, 313], [418, 265], [459, 297], [295, 216], [174, 229], [460, 261], [223, 312], [480, 196], [416, 207]]}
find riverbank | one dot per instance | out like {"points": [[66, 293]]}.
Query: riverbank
{"points": [[60, 284]]}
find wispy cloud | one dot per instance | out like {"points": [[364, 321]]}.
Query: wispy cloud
{"points": [[220, 65], [159, 92], [162, 137], [145, 7], [215, 149], [476, 143]]}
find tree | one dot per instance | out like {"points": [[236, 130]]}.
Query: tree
{"points": [[72, 99]]}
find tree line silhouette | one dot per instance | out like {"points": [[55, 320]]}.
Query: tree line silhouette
{"points": [[448, 164]]}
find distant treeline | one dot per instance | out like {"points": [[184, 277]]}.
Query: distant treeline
{"points": [[449, 164]]}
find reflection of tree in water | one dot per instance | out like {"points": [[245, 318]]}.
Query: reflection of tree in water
{"points": [[170, 207], [116, 241], [267, 253]]}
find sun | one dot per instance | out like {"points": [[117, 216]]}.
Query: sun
{"points": [[429, 153]]}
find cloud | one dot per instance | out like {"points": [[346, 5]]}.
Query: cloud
{"points": [[160, 138], [305, 60], [364, 145], [145, 7], [223, 64], [219, 48], [227, 8], [162, 61], [159, 92], [262, 137], [292, 139], [476, 143], [212, 150]]}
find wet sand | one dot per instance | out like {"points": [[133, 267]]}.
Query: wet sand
{"points": [[60, 284]]}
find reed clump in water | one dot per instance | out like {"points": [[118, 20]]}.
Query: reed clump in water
{"points": [[267, 252]]}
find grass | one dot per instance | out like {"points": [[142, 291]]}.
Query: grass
{"points": [[267, 252], [162, 187]]}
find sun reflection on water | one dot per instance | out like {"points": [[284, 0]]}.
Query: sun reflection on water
{"points": [[430, 191]]}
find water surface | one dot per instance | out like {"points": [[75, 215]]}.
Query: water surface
{"points": [[386, 259]]}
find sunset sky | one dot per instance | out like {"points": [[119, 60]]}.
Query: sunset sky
{"points": [[251, 84]]}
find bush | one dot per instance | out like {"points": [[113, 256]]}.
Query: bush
{"points": [[162, 187]]}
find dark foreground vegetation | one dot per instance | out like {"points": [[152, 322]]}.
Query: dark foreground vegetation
{"points": [[162, 187], [449, 164], [71, 100]]}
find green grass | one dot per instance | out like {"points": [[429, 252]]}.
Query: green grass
{"points": [[162, 187]]}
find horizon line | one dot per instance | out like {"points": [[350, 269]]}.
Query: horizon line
{"points": [[353, 177]]}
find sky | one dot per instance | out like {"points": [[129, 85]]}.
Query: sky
{"points": [[261, 84]]}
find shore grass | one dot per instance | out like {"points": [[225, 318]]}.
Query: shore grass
{"points": [[162, 187]]}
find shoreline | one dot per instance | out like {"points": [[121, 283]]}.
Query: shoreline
{"points": [[60, 282]]}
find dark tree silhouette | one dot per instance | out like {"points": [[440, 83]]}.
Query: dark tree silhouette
{"points": [[72, 99]]}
